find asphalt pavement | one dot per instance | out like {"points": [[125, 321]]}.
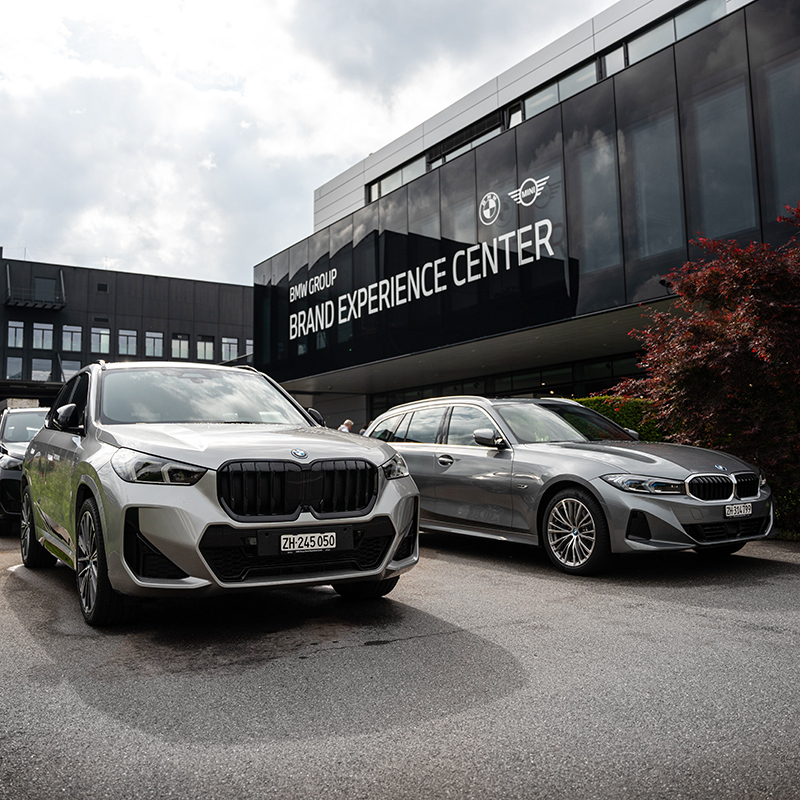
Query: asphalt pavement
{"points": [[485, 674]]}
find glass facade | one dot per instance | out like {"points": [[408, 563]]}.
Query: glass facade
{"points": [[581, 208]]}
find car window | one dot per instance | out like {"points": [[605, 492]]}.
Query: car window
{"points": [[593, 426], [532, 423], [21, 427], [385, 430], [464, 421], [179, 395], [402, 429], [424, 425]]}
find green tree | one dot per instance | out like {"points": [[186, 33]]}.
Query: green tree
{"points": [[723, 368]]}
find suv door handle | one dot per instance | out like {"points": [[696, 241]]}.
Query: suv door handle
{"points": [[445, 461]]}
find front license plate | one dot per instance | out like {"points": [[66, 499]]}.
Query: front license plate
{"points": [[739, 510], [304, 542]]}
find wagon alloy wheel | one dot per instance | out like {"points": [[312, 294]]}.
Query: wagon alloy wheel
{"points": [[100, 603], [33, 554], [576, 533]]}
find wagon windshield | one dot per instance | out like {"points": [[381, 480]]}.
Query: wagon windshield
{"points": [[176, 395], [531, 423]]}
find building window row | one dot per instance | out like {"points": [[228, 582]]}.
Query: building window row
{"points": [[661, 35], [127, 343]]}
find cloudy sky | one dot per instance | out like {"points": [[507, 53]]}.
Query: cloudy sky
{"points": [[186, 139]]}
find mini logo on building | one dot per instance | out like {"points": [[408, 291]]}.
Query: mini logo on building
{"points": [[490, 208], [299, 454], [527, 193]]}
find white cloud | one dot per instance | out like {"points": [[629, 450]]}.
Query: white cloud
{"points": [[169, 138]]}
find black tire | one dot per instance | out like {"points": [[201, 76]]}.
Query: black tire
{"points": [[719, 550], [366, 590], [100, 603], [575, 533], [34, 556]]}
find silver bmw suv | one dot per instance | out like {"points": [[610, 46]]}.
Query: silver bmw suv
{"points": [[158, 479]]}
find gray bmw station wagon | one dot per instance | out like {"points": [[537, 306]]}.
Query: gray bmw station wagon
{"points": [[555, 473]]}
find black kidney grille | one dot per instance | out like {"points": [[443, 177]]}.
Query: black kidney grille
{"points": [[282, 489], [711, 487], [746, 484]]}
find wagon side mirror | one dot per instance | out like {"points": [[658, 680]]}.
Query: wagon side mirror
{"points": [[488, 437]]}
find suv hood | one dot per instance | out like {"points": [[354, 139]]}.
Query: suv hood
{"points": [[209, 445], [652, 458]]}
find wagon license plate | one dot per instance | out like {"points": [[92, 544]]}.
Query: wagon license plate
{"points": [[739, 510], [306, 542]]}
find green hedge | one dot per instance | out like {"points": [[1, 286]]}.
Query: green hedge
{"points": [[627, 412]]}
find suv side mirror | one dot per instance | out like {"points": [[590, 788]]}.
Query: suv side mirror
{"points": [[67, 418], [316, 416], [631, 432], [489, 437]]}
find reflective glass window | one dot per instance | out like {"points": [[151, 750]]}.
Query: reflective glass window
{"points": [[614, 61], [655, 39], [391, 182], [41, 369], [424, 426], [714, 96], [541, 100], [413, 170], [582, 78], [44, 290], [16, 332], [127, 343], [423, 206], [42, 336], [650, 172], [698, 16], [154, 344], [205, 348], [180, 345], [773, 30], [14, 368], [595, 240], [230, 348], [464, 421], [101, 340], [457, 185], [71, 338]]}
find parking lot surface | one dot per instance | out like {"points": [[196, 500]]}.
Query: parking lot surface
{"points": [[485, 674]]}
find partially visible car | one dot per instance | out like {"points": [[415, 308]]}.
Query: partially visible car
{"points": [[165, 479], [17, 428], [553, 473]]}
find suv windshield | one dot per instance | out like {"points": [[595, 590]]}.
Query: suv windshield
{"points": [[531, 423], [193, 395]]}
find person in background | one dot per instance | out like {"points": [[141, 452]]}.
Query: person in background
{"points": [[346, 426]]}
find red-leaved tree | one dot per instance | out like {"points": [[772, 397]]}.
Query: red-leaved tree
{"points": [[723, 370]]}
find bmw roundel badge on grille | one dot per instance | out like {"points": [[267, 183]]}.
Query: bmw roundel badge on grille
{"points": [[299, 454]]}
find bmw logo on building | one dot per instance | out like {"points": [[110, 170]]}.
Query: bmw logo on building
{"points": [[490, 208], [299, 454]]}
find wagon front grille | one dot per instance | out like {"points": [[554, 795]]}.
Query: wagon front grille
{"points": [[280, 490], [724, 487]]}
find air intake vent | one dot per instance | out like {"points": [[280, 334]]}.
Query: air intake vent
{"points": [[280, 490], [711, 487]]}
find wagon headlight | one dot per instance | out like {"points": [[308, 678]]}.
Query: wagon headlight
{"points": [[643, 484], [140, 468], [395, 467], [10, 462]]}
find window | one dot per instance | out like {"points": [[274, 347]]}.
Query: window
{"points": [[205, 348], [14, 369], [230, 348], [69, 369], [44, 290], [102, 287], [385, 431], [154, 344], [15, 334], [541, 100], [42, 336], [424, 425], [582, 78], [127, 343], [101, 340], [71, 338], [463, 421], [248, 347], [648, 43], [41, 369], [180, 345]]}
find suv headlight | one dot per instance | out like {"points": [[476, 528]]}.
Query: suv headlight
{"points": [[395, 467], [644, 484], [140, 468], [10, 462]]}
